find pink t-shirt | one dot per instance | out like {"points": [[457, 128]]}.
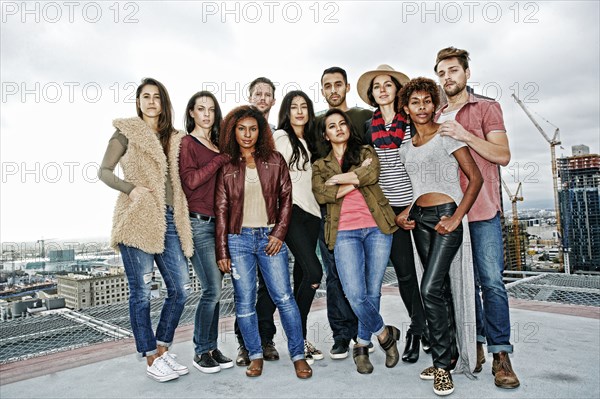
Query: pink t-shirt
{"points": [[481, 116], [355, 213]]}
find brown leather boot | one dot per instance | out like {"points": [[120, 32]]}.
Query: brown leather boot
{"points": [[255, 368], [503, 372], [480, 358]]}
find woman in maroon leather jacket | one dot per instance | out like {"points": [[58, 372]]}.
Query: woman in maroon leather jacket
{"points": [[253, 204]]}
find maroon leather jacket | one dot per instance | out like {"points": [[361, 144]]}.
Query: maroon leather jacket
{"points": [[229, 199]]}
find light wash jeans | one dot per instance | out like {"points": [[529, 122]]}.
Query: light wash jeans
{"points": [[361, 257], [247, 250], [173, 268]]}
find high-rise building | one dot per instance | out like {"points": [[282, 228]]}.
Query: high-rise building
{"points": [[511, 252], [579, 198]]}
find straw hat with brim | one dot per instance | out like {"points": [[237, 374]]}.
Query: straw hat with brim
{"points": [[365, 79]]}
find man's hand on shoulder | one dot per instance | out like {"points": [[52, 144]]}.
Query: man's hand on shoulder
{"points": [[455, 130]]}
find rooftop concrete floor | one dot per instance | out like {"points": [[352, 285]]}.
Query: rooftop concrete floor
{"points": [[557, 355]]}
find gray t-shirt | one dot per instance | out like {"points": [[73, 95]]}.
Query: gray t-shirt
{"points": [[432, 168]]}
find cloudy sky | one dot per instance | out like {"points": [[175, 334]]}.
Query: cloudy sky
{"points": [[69, 69]]}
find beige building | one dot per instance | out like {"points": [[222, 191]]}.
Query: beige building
{"points": [[83, 291]]}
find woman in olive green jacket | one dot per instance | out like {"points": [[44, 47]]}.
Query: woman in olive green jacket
{"points": [[358, 228]]}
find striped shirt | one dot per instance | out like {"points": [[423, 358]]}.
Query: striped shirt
{"points": [[393, 179]]}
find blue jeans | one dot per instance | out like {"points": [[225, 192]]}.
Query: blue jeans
{"points": [[206, 323], [361, 257], [247, 250], [173, 268], [342, 320], [493, 319]]}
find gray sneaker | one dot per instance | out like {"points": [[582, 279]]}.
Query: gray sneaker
{"points": [[160, 371]]}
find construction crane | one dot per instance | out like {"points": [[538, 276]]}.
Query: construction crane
{"points": [[554, 141], [513, 199]]}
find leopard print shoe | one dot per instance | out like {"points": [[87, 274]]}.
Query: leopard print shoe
{"points": [[442, 382], [428, 373]]}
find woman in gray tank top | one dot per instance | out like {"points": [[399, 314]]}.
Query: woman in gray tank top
{"points": [[436, 219]]}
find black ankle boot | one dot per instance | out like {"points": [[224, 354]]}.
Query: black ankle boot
{"points": [[425, 341], [411, 349]]}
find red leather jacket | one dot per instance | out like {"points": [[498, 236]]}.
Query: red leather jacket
{"points": [[229, 199]]}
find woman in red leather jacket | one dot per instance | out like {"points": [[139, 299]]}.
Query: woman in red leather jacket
{"points": [[253, 207]]}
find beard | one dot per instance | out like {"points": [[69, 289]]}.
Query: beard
{"points": [[338, 102], [455, 89]]}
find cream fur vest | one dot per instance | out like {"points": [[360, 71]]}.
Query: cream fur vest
{"points": [[141, 224]]}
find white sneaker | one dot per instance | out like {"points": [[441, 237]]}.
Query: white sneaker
{"points": [[174, 365], [160, 371]]}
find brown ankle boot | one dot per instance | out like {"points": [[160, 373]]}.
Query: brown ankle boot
{"points": [[361, 359], [503, 372], [480, 358], [390, 346]]}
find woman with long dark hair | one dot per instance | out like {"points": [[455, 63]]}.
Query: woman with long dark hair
{"points": [[199, 162], [151, 222], [358, 228], [294, 140], [387, 132], [253, 206], [437, 220]]}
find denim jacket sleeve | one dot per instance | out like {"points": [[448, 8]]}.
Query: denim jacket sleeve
{"points": [[367, 175]]}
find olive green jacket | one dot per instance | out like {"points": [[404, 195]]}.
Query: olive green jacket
{"points": [[368, 176]]}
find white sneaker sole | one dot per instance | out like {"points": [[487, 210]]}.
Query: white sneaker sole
{"points": [[207, 370], [443, 393], [318, 357], [227, 365], [309, 360], [338, 356], [182, 371], [163, 378]]}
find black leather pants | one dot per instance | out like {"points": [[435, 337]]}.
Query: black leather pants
{"points": [[436, 252]]}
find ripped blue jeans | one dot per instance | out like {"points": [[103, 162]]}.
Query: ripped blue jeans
{"points": [[173, 267], [247, 250]]}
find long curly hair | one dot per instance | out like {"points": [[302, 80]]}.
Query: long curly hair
{"points": [[227, 140], [300, 157]]}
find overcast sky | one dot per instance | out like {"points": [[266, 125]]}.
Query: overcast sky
{"points": [[69, 69]]}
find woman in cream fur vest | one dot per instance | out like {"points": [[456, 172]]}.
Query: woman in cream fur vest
{"points": [[150, 221]]}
